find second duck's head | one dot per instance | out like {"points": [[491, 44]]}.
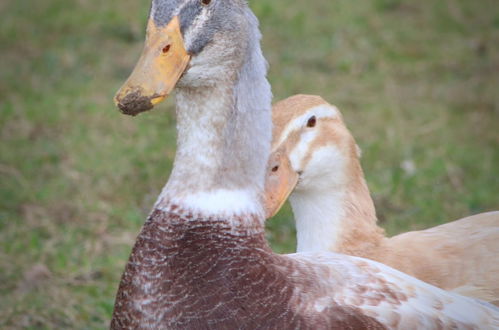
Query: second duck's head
{"points": [[189, 43], [312, 150]]}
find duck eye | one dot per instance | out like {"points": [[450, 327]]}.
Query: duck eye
{"points": [[275, 168], [166, 49], [206, 2], [311, 121]]}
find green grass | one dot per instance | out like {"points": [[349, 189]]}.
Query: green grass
{"points": [[417, 82]]}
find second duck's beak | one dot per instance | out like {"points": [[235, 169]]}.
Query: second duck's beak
{"points": [[280, 181], [162, 63]]}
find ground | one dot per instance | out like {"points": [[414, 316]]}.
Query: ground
{"points": [[417, 81]]}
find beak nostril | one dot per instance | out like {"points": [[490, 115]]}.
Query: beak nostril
{"points": [[166, 49]]}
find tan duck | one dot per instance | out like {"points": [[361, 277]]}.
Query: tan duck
{"points": [[316, 155], [201, 260]]}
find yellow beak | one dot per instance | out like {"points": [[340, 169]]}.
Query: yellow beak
{"points": [[280, 181], [162, 63]]}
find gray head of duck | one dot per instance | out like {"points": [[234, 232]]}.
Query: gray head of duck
{"points": [[189, 43]]}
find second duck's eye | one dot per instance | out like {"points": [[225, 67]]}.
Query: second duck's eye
{"points": [[311, 121], [166, 49], [205, 2]]}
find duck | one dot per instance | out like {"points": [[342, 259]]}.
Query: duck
{"points": [[316, 162], [201, 259]]}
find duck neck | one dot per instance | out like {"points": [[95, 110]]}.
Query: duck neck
{"points": [[339, 219], [224, 133]]}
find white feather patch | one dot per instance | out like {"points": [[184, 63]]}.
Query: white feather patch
{"points": [[219, 202]]}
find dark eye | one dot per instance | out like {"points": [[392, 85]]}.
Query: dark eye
{"points": [[206, 2], [311, 121], [166, 49], [275, 168]]}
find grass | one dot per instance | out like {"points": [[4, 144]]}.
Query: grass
{"points": [[417, 82]]}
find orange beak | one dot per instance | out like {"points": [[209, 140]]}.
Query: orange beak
{"points": [[162, 63], [280, 181]]}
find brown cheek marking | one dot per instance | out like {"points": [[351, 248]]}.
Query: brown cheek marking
{"points": [[332, 131], [291, 142], [325, 136]]}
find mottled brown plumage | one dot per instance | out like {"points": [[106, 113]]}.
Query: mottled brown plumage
{"points": [[186, 272]]}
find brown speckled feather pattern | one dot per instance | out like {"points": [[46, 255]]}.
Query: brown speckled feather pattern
{"points": [[189, 273]]}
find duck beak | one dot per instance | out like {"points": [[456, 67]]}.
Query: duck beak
{"points": [[162, 63], [280, 181]]}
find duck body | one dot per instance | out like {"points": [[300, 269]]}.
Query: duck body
{"points": [[460, 256], [186, 272], [334, 211], [201, 260]]}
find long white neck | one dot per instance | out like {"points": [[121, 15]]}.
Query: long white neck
{"points": [[319, 217], [341, 219], [224, 134]]}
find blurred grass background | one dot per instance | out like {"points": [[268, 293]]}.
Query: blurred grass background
{"points": [[418, 83]]}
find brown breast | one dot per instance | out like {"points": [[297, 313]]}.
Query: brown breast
{"points": [[185, 273]]}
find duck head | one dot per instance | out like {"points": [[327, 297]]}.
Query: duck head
{"points": [[312, 150], [187, 42]]}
